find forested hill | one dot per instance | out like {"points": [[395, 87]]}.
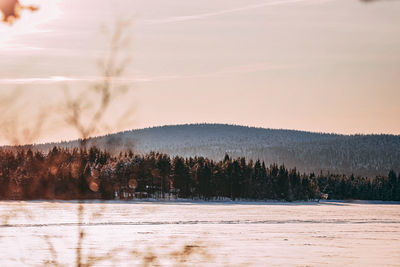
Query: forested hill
{"points": [[367, 155]]}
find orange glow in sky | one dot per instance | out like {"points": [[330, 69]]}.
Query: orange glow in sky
{"points": [[325, 66]]}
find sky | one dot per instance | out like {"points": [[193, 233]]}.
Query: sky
{"points": [[314, 65]]}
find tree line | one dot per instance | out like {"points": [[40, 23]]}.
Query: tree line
{"points": [[362, 155], [80, 173]]}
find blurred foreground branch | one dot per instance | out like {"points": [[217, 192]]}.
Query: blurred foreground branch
{"points": [[86, 111]]}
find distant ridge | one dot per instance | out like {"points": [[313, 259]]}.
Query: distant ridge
{"points": [[367, 155]]}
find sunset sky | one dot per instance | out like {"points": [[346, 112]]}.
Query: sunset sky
{"points": [[315, 65]]}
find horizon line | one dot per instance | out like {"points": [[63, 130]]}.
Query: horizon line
{"points": [[198, 124]]}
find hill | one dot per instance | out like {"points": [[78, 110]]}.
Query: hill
{"points": [[367, 155]]}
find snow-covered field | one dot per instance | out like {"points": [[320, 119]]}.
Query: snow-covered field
{"points": [[191, 233]]}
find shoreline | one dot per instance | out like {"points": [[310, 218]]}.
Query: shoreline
{"points": [[209, 202]]}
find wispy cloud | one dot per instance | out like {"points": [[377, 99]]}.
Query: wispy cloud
{"points": [[19, 48], [34, 80], [241, 69], [177, 19], [63, 79]]}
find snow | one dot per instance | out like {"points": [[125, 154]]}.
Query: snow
{"points": [[201, 233]]}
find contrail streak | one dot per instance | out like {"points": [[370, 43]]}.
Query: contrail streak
{"points": [[223, 12]]}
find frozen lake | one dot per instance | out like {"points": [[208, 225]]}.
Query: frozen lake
{"points": [[183, 233]]}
